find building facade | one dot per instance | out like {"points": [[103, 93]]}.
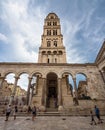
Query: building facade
{"points": [[52, 88]]}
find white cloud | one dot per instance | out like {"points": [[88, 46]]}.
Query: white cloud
{"points": [[25, 29], [3, 38], [23, 81], [25, 20], [91, 35], [10, 78], [70, 29]]}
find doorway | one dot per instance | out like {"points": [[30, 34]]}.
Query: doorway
{"points": [[52, 91]]}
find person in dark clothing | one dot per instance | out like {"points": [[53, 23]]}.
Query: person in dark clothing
{"points": [[97, 113], [33, 113], [92, 118], [8, 111], [15, 112]]}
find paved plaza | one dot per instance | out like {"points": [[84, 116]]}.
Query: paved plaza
{"points": [[50, 123]]}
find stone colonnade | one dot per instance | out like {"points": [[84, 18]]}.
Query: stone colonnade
{"points": [[15, 87], [43, 99], [44, 96]]}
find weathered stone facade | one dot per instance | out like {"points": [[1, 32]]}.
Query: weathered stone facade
{"points": [[52, 71], [82, 89]]}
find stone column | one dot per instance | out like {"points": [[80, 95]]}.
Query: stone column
{"points": [[37, 80], [75, 86], [43, 92], [28, 90], [69, 90], [1, 81], [60, 95], [43, 99], [14, 90], [30, 96], [75, 99]]}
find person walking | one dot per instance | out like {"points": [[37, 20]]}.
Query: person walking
{"points": [[8, 111], [33, 113], [97, 113], [92, 118], [15, 112]]}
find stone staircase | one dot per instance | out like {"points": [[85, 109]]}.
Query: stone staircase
{"points": [[73, 111]]}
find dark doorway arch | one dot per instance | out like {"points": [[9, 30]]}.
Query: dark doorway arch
{"points": [[52, 90]]}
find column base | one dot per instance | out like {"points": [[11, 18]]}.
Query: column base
{"points": [[60, 108], [42, 108], [11, 99]]}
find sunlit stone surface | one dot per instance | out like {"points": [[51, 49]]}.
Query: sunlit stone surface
{"points": [[50, 123]]}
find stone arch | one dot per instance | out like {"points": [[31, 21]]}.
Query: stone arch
{"points": [[37, 72], [66, 72], [23, 72], [8, 83], [54, 52], [83, 73], [43, 52], [48, 52], [8, 72], [81, 83], [50, 71], [68, 76], [60, 52]]}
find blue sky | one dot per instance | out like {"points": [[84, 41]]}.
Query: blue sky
{"points": [[21, 27]]}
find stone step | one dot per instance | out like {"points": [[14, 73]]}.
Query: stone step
{"points": [[52, 109], [56, 113], [48, 114]]}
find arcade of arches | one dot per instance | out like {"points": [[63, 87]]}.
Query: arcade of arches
{"points": [[52, 83]]}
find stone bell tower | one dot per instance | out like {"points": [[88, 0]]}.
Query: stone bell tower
{"points": [[52, 49]]}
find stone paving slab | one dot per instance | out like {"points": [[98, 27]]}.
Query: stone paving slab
{"points": [[50, 123]]}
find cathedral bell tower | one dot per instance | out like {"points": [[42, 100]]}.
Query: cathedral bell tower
{"points": [[52, 49]]}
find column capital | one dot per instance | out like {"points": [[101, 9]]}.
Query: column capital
{"points": [[74, 78], [65, 75], [101, 70], [30, 78], [1, 77], [59, 78], [43, 78], [17, 77]]}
